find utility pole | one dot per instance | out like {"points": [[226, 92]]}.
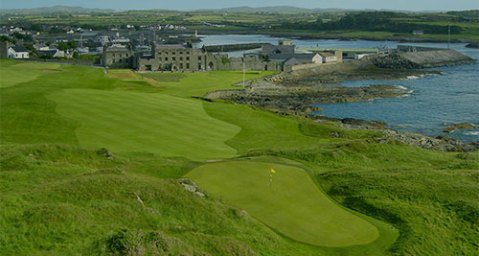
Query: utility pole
{"points": [[448, 34], [244, 74], [81, 40]]}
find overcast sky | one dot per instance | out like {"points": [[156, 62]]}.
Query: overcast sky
{"points": [[414, 5]]}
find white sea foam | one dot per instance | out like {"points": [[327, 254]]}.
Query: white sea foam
{"points": [[473, 133], [401, 87]]}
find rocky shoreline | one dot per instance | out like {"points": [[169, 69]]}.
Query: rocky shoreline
{"points": [[295, 93], [391, 136]]}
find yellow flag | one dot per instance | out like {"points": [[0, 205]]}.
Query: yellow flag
{"points": [[273, 171]]}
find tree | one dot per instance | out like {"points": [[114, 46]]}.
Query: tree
{"points": [[7, 39], [67, 45]]}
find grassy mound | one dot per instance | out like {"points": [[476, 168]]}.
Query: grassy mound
{"points": [[290, 204]]}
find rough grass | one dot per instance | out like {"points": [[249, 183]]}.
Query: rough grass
{"points": [[60, 200], [290, 202]]}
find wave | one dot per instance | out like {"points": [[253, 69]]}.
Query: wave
{"points": [[473, 133]]}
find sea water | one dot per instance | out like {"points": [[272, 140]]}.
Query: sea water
{"points": [[436, 101]]}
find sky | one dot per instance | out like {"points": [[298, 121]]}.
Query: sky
{"points": [[412, 5]]}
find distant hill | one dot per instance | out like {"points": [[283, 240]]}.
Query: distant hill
{"points": [[54, 9], [270, 9]]}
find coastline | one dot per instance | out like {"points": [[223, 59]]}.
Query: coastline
{"points": [[345, 37], [296, 93]]}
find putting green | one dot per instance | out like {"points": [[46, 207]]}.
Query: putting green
{"points": [[292, 204], [146, 122]]}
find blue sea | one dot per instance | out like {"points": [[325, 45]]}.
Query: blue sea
{"points": [[436, 102]]}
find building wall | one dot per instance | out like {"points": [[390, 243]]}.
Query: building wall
{"points": [[222, 62], [175, 59], [4, 49], [117, 58], [17, 55]]}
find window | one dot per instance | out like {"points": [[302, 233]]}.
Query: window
{"points": [[166, 58], [173, 53], [187, 57], [181, 52], [187, 65], [120, 55], [113, 55], [199, 66], [181, 65], [181, 58], [173, 58], [199, 58]]}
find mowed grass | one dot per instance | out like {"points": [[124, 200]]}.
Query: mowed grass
{"points": [[291, 204], [12, 73], [199, 83], [145, 122]]}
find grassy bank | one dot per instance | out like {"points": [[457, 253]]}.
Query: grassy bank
{"points": [[61, 195]]}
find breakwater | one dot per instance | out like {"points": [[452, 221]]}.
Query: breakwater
{"points": [[233, 47]]}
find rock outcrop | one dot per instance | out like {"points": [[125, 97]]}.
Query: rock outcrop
{"points": [[421, 59]]}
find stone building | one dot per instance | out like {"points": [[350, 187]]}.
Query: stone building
{"points": [[4, 45], [273, 50], [174, 57], [247, 62], [117, 56]]}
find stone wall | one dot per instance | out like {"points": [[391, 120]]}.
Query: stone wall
{"points": [[222, 62], [174, 59], [117, 57]]}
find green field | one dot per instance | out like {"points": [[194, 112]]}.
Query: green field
{"points": [[145, 122], [23, 72], [352, 195], [291, 203]]}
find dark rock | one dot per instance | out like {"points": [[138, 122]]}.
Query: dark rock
{"points": [[105, 153], [474, 45]]}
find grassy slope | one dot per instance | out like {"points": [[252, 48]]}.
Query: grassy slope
{"points": [[416, 190], [61, 200], [198, 84], [15, 73], [156, 123]]}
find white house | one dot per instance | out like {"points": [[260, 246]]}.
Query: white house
{"points": [[51, 53], [18, 52], [317, 59], [328, 57]]}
